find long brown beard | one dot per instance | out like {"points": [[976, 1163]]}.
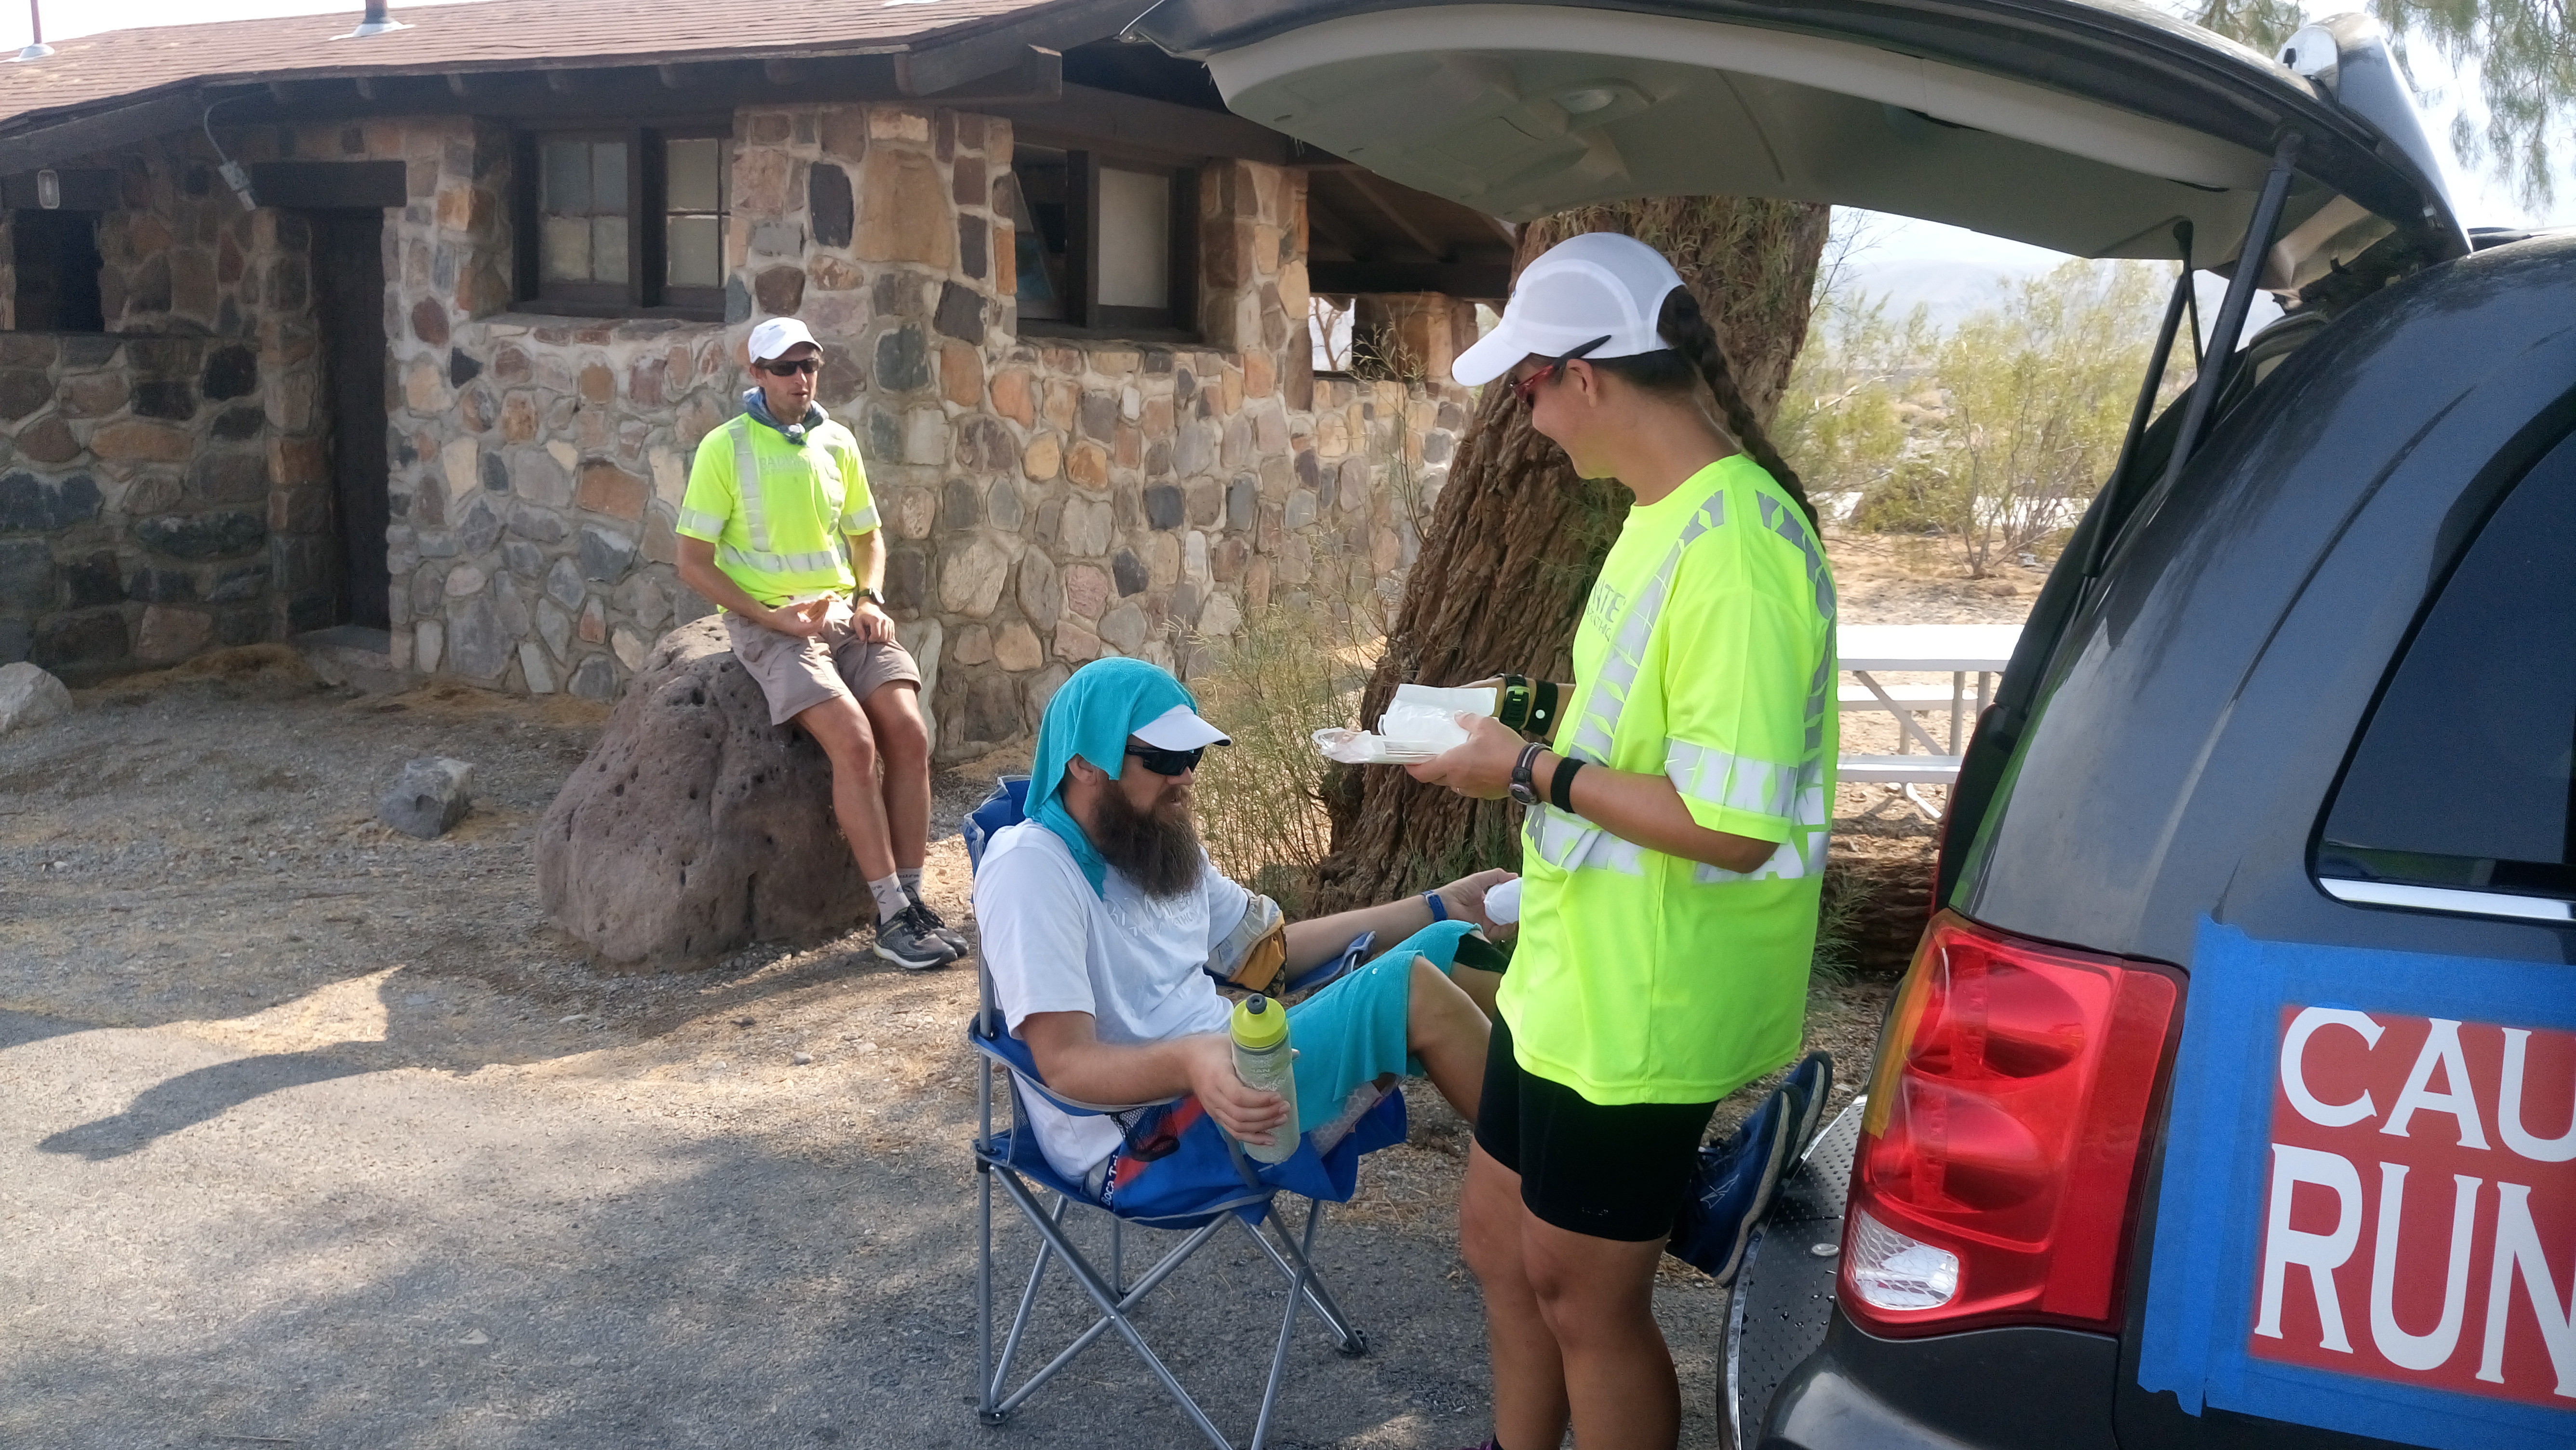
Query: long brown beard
{"points": [[1158, 850]]}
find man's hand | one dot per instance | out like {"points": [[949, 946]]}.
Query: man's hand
{"points": [[1465, 898], [1247, 1112], [1481, 768], [871, 623], [806, 620]]}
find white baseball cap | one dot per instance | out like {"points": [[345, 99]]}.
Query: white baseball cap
{"points": [[1580, 289], [1180, 728], [773, 338]]}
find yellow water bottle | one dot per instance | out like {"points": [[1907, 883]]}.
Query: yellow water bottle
{"points": [[1262, 1060]]}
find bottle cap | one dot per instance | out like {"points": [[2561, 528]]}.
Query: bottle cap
{"points": [[1259, 1023]]}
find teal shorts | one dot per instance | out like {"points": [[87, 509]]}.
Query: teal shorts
{"points": [[1351, 1034]]}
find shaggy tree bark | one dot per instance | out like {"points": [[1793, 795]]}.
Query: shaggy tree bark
{"points": [[1516, 538]]}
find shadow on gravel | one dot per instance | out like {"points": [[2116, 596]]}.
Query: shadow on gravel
{"points": [[416, 1036], [736, 1298]]}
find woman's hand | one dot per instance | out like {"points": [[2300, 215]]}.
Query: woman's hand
{"points": [[1247, 1112], [1481, 768], [1465, 898]]}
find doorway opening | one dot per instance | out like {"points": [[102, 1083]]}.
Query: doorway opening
{"points": [[349, 293]]}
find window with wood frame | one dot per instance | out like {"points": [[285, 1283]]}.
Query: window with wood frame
{"points": [[1104, 243], [624, 219]]}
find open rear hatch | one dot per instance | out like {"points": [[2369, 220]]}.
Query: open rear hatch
{"points": [[2099, 129], [2087, 128]]}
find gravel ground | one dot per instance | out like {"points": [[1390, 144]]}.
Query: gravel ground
{"points": [[318, 1135]]}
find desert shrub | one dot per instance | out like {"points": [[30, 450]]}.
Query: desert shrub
{"points": [[1286, 673]]}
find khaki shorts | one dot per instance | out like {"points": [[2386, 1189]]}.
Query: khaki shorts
{"points": [[797, 674]]}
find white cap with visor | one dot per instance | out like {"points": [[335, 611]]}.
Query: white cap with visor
{"points": [[1600, 286], [773, 338]]}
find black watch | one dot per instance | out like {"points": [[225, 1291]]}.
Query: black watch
{"points": [[871, 596], [1524, 789]]}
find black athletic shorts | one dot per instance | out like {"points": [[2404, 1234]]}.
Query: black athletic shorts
{"points": [[1614, 1172]]}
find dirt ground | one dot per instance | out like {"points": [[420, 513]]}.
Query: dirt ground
{"points": [[316, 1134]]}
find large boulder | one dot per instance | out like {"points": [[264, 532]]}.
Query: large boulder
{"points": [[29, 697], [696, 826]]}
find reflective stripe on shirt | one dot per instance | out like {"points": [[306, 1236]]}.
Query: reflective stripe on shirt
{"points": [[1563, 838]]}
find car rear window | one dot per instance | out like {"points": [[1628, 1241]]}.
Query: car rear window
{"points": [[2463, 776]]}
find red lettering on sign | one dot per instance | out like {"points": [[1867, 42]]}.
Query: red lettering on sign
{"points": [[2419, 1214]]}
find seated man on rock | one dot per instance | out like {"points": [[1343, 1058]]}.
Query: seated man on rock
{"points": [[767, 494], [1101, 911]]}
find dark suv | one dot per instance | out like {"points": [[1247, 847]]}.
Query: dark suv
{"points": [[2228, 1100]]}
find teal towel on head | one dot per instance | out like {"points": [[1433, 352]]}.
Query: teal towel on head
{"points": [[1091, 715]]}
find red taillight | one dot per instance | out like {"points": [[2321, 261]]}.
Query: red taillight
{"points": [[1999, 1155]]}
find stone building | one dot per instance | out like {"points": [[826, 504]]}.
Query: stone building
{"points": [[399, 343]]}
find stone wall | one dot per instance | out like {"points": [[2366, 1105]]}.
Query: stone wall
{"points": [[1047, 499], [165, 487]]}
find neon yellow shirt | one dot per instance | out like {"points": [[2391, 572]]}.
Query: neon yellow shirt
{"points": [[1706, 655], [776, 539]]}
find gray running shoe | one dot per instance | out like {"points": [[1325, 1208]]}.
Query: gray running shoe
{"points": [[908, 940], [939, 926]]}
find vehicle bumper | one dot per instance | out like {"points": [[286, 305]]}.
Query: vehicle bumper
{"points": [[1999, 1388]]}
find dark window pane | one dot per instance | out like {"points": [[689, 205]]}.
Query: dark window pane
{"points": [[693, 166], [1042, 195], [608, 176], [2463, 777], [567, 169]]}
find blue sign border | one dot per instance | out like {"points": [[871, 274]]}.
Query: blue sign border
{"points": [[2208, 1224]]}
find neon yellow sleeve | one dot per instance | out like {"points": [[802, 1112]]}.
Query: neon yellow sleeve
{"points": [[712, 496], [858, 504], [1739, 665]]}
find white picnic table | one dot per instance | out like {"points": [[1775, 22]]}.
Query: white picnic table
{"points": [[1958, 650]]}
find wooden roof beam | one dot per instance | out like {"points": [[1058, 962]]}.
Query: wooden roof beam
{"points": [[1368, 187]]}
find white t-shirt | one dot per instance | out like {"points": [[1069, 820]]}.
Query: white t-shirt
{"points": [[1132, 962]]}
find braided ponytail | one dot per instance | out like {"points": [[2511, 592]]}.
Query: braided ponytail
{"points": [[1692, 359], [1686, 328]]}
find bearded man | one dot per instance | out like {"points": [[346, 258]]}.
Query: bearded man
{"points": [[1102, 915]]}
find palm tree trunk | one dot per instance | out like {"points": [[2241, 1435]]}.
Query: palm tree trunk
{"points": [[1516, 538]]}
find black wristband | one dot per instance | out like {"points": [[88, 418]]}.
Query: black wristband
{"points": [[1512, 705], [1560, 791], [1542, 711]]}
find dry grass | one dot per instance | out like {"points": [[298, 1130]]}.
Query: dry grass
{"points": [[1288, 673]]}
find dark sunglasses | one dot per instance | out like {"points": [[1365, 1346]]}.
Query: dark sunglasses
{"points": [[1167, 762], [809, 366], [1526, 389]]}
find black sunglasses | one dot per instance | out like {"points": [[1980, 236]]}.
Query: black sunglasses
{"points": [[1167, 762], [806, 365], [1526, 389]]}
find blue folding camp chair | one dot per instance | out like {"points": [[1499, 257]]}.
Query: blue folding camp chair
{"points": [[1200, 1195]]}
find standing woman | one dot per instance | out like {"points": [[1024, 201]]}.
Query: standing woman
{"points": [[1674, 848]]}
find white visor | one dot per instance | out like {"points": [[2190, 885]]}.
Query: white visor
{"points": [[1179, 728], [1600, 284]]}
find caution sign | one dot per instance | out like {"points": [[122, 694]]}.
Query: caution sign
{"points": [[2419, 1218], [2364, 1212]]}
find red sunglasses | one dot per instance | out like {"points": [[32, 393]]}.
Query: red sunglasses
{"points": [[1526, 389]]}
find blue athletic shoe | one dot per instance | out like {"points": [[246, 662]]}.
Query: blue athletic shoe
{"points": [[1734, 1185], [1814, 1076]]}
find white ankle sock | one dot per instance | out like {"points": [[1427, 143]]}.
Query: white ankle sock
{"points": [[910, 876], [891, 902]]}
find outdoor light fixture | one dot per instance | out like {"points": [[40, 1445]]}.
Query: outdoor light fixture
{"points": [[1584, 100], [49, 190], [235, 175]]}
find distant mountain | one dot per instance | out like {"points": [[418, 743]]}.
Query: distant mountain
{"points": [[1953, 291]]}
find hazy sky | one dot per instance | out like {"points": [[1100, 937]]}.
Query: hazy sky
{"points": [[1895, 239]]}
